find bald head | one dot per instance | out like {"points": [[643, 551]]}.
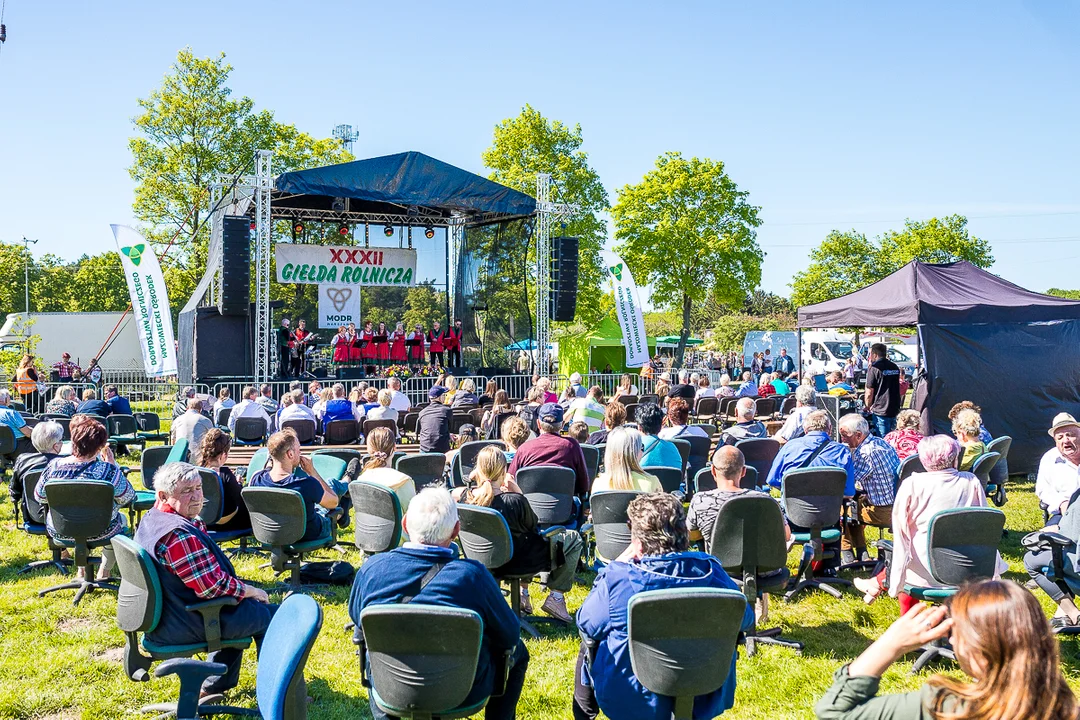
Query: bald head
{"points": [[728, 467], [745, 409]]}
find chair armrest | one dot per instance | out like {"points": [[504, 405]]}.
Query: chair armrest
{"points": [[190, 670], [1044, 540], [590, 647], [211, 615], [361, 654], [586, 528], [126, 470], [502, 673], [552, 530]]}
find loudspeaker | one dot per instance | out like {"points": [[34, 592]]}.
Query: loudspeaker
{"points": [[235, 266], [214, 345], [351, 373], [564, 278]]}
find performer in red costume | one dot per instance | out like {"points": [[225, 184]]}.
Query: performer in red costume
{"points": [[435, 339], [397, 345], [453, 344]]}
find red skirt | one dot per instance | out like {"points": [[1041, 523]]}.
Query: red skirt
{"points": [[368, 353], [397, 349], [341, 352], [382, 351]]}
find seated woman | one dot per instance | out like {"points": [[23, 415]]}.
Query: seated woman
{"points": [[91, 459], [499, 405], [213, 453], [905, 438], [658, 452], [725, 389], [765, 386], [703, 389], [614, 416], [371, 399], [966, 429], [379, 469], [319, 495], [514, 433], [465, 397], [383, 411], [984, 434], [557, 554], [675, 423], [920, 497], [622, 464], [490, 391], [1002, 641], [451, 384], [531, 406], [626, 387], [63, 403]]}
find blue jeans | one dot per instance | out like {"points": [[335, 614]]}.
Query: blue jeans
{"points": [[882, 425]]}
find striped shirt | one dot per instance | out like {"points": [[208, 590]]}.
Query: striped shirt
{"points": [[587, 411], [876, 465]]}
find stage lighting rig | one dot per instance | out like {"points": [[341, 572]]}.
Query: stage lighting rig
{"points": [[344, 230], [429, 232], [388, 231]]}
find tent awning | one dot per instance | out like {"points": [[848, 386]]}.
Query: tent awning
{"points": [[674, 340], [937, 294], [524, 345]]}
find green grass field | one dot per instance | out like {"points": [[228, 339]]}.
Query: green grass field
{"points": [[61, 662]]}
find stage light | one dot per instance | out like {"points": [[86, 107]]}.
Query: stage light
{"points": [[253, 226], [298, 228], [388, 231], [429, 232], [344, 230]]}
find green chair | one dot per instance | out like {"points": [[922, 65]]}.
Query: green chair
{"points": [[80, 510], [961, 547], [213, 505], [377, 523], [150, 427], [425, 469], [258, 462], [813, 498], [124, 431], [999, 475], [908, 466], [674, 653], [982, 467], [279, 521], [748, 540]]}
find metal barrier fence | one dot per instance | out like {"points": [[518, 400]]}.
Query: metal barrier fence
{"points": [[415, 388], [158, 396], [517, 386]]}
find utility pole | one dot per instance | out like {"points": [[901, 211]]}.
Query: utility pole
{"points": [[26, 245]]}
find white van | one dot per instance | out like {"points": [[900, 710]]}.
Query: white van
{"points": [[825, 351]]}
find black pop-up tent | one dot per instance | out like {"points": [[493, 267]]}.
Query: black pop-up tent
{"points": [[1012, 351]]}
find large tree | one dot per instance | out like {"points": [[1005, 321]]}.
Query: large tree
{"points": [[689, 232], [847, 261]]}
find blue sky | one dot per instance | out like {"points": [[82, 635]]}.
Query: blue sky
{"points": [[831, 115]]}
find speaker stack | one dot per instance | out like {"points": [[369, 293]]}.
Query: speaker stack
{"points": [[562, 303], [235, 266]]}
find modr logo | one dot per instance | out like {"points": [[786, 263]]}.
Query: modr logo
{"points": [[338, 318]]}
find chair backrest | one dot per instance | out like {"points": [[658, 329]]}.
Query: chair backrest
{"points": [[759, 453], [963, 544], [422, 657], [95, 418], [727, 407], [703, 480], [151, 461], [213, 500], [497, 422], [1000, 471], [628, 400], [7, 440], [465, 459], [34, 511], [683, 444], [631, 410], [390, 425], [766, 406], [649, 398], [65, 422], [709, 428], [258, 462], [909, 465], [304, 429], [674, 653], [147, 421], [484, 536], [278, 516], [409, 423], [457, 420], [279, 683], [341, 432], [670, 478], [342, 454], [80, 509], [178, 452], [550, 492], [706, 406], [749, 534], [592, 460], [329, 467], [250, 429], [611, 525], [138, 602], [31, 422], [424, 468], [814, 497], [377, 520], [221, 415], [983, 466], [699, 451], [788, 405], [121, 425]]}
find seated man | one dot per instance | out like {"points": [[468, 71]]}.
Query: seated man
{"points": [[295, 409], [319, 495], [192, 425], [427, 570], [658, 558], [804, 405], [745, 426], [180, 406], [248, 407], [837, 386], [91, 405], [266, 399], [15, 421], [658, 452], [589, 409], [48, 440], [340, 408], [117, 405], [433, 423], [748, 388], [550, 448], [814, 449], [728, 467], [194, 569], [875, 464], [1059, 468]]}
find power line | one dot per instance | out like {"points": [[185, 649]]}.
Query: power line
{"points": [[1005, 241], [900, 220]]}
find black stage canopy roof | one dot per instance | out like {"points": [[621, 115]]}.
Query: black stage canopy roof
{"points": [[408, 187]]}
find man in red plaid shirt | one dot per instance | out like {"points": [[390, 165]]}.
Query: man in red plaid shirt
{"points": [[196, 570], [66, 369]]}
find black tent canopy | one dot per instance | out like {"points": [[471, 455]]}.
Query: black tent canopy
{"points": [[1011, 351]]}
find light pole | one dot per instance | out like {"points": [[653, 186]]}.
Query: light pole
{"points": [[26, 245]]}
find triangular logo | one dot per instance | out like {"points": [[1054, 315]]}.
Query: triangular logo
{"points": [[616, 270], [134, 253]]}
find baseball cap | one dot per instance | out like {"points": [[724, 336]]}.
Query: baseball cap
{"points": [[436, 392], [550, 413], [1062, 420], [66, 355]]}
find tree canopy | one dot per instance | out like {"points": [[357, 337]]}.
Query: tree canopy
{"points": [[847, 261], [689, 232]]}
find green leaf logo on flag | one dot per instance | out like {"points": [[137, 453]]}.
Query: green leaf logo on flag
{"points": [[134, 253], [616, 270]]}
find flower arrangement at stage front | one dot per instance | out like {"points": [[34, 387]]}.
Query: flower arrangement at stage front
{"points": [[399, 371], [428, 371]]}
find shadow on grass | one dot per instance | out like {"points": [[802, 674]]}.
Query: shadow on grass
{"points": [[327, 702]]}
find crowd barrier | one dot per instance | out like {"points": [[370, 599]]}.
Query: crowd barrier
{"points": [[157, 396]]}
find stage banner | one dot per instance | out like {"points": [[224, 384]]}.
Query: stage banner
{"points": [[149, 301], [628, 310], [338, 305], [343, 266]]}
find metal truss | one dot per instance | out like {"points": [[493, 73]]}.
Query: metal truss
{"points": [[264, 184], [456, 244], [547, 213]]}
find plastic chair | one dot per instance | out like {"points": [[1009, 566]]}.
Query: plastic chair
{"points": [[766, 406], [983, 467], [279, 521], [759, 453], [343, 454], [592, 460], [676, 655], [390, 425], [250, 431], [748, 540], [280, 689], [706, 407], [610, 525], [550, 492], [961, 547], [221, 416], [422, 659], [466, 459], [700, 447], [787, 406], [341, 432], [34, 524], [149, 427], [81, 509], [213, 505], [727, 409], [709, 428], [703, 479], [999, 474], [425, 469], [138, 610], [123, 430], [304, 429], [670, 478], [259, 461], [813, 498], [683, 444], [408, 425], [628, 400], [377, 525], [908, 466]]}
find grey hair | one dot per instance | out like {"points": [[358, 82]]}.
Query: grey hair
{"points": [[855, 423], [745, 409], [818, 420], [169, 476], [684, 375], [939, 452], [394, 383], [45, 435], [5, 396], [432, 516], [804, 395]]}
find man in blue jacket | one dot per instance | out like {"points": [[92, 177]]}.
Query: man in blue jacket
{"points": [[427, 570], [657, 559], [814, 449]]}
